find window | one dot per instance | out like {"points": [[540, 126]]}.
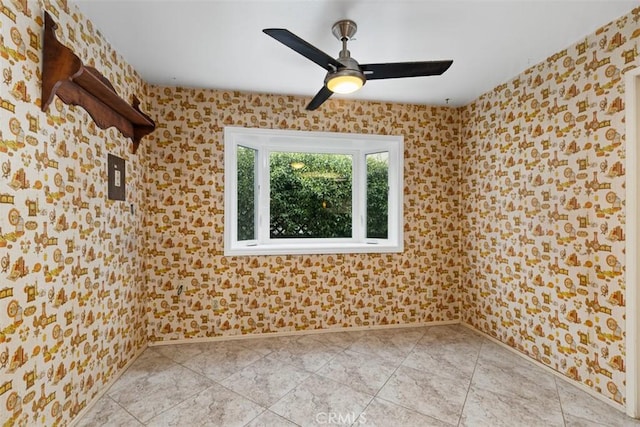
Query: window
{"points": [[293, 192]]}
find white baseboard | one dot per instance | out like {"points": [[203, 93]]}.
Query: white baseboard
{"points": [[574, 383], [301, 332]]}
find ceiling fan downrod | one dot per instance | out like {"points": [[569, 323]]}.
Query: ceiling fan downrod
{"points": [[344, 30]]}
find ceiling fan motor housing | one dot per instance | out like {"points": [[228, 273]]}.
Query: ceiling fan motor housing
{"points": [[344, 29], [351, 68]]}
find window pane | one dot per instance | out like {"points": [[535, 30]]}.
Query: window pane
{"points": [[310, 195], [246, 193], [377, 195]]}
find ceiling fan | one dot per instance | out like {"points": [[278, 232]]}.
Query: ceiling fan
{"points": [[344, 74]]}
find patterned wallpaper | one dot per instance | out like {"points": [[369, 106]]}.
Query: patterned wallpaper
{"points": [[71, 296], [543, 214], [196, 292]]}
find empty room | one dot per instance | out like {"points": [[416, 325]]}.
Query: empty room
{"points": [[319, 212]]}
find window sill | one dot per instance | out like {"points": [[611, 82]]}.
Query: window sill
{"points": [[307, 249]]}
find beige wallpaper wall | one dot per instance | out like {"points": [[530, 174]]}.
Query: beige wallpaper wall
{"points": [[543, 215], [71, 295], [196, 292]]}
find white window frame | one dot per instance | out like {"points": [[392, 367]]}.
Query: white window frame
{"points": [[266, 141]]}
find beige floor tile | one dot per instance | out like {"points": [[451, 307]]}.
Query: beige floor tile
{"points": [[147, 364], [266, 380], [381, 413], [362, 372], [319, 400], [306, 353], [269, 419], [438, 394], [214, 406], [180, 353], [504, 372], [450, 333], [502, 408], [148, 395], [106, 412], [222, 359], [458, 357], [339, 339], [426, 376], [265, 345], [393, 345], [581, 409]]}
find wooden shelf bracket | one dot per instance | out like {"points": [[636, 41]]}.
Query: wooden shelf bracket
{"points": [[64, 74]]}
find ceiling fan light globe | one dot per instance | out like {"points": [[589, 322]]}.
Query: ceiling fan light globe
{"points": [[344, 83]]}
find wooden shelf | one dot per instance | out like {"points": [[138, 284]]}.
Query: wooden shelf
{"points": [[64, 74]]}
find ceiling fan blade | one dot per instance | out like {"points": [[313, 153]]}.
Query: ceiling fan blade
{"points": [[304, 48], [320, 97], [393, 70]]}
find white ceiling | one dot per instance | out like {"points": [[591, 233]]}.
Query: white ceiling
{"points": [[220, 44]]}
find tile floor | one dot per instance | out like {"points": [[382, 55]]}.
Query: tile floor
{"points": [[426, 376]]}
